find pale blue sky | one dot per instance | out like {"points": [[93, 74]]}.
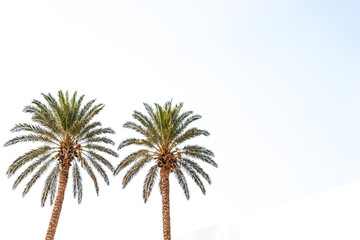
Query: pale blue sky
{"points": [[277, 84]]}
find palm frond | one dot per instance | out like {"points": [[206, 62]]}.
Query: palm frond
{"points": [[147, 123], [198, 169], [29, 138], [100, 170], [101, 149], [198, 150], [149, 182], [93, 177], [77, 182], [130, 159], [65, 109], [50, 184], [52, 103], [178, 120], [194, 176], [136, 127], [100, 140], [77, 106], [190, 133], [76, 128], [46, 117], [34, 129], [159, 123], [134, 170], [59, 112], [100, 159], [30, 169], [96, 132], [136, 141], [150, 110], [181, 126], [25, 158], [182, 182], [90, 114], [36, 176], [85, 109], [45, 120], [200, 153], [74, 107], [84, 129]]}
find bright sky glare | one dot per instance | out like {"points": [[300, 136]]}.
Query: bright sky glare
{"points": [[277, 84]]}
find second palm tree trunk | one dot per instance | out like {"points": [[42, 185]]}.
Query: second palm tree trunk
{"points": [[165, 189], [63, 179]]}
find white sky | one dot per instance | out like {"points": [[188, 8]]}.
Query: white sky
{"points": [[277, 85], [312, 217]]}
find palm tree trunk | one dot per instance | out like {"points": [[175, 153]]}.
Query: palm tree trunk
{"points": [[165, 189], [63, 179]]}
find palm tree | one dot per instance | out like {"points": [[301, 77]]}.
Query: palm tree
{"points": [[163, 132], [66, 134]]}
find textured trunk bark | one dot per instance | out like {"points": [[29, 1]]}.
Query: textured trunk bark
{"points": [[165, 189], [63, 179]]}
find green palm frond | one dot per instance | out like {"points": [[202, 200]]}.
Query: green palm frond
{"points": [[178, 119], [34, 129], [77, 182], [197, 168], [44, 116], [92, 176], [92, 154], [84, 129], [130, 159], [136, 141], [190, 133], [196, 149], [85, 109], [30, 169], [134, 170], [36, 176], [29, 138], [147, 123], [27, 157], [182, 182], [53, 104], [136, 127], [43, 119], [149, 110], [101, 149], [181, 126], [95, 132], [100, 170], [74, 107], [90, 114], [100, 140], [200, 153], [76, 128], [149, 182], [50, 185], [190, 171]]}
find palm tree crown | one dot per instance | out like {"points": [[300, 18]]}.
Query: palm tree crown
{"points": [[163, 132], [67, 134]]}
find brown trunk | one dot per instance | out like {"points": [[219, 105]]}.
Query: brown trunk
{"points": [[63, 179], [165, 188]]}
